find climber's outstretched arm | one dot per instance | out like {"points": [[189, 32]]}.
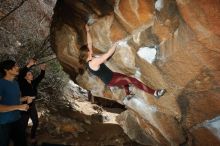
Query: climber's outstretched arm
{"points": [[95, 63], [89, 39]]}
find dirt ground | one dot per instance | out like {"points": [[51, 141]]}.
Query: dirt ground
{"points": [[100, 135]]}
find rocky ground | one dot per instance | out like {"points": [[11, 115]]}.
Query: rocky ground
{"points": [[81, 122], [83, 130]]}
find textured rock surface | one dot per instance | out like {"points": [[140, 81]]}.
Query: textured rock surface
{"points": [[185, 37], [28, 23]]}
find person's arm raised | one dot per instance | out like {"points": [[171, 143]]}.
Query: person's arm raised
{"points": [[38, 79], [89, 39], [31, 62], [23, 71], [99, 60]]}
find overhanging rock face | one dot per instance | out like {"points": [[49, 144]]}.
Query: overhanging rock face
{"points": [[165, 44]]}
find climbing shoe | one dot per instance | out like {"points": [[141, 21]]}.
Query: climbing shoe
{"points": [[160, 92], [131, 95]]}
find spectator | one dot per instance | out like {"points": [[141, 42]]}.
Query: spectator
{"points": [[28, 85], [10, 124]]}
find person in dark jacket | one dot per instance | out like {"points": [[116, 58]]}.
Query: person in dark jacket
{"points": [[28, 86], [96, 65]]}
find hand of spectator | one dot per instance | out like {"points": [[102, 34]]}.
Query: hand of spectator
{"points": [[23, 107], [43, 66], [29, 99], [31, 62]]}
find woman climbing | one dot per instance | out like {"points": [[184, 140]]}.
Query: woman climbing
{"points": [[97, 67]]}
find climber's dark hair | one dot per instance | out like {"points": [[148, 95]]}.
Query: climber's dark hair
{"points": [[83, 55], [6, 65]]}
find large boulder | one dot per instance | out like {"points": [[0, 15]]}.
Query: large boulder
{"points": [[165, 44]]}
